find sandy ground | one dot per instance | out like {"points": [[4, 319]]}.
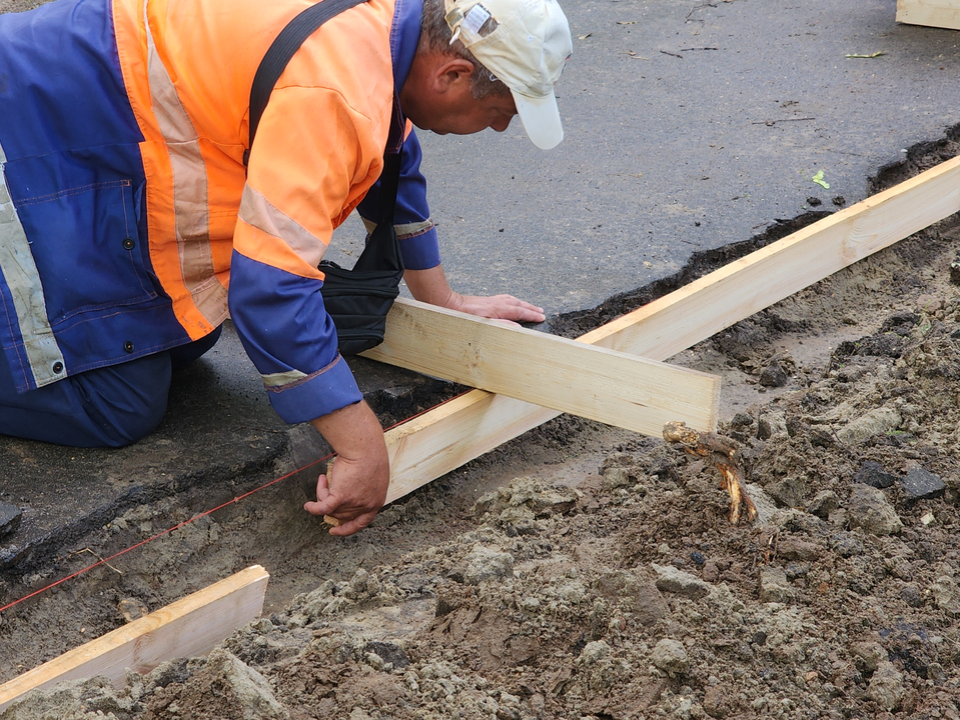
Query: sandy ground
{"points": [[583, 572]]}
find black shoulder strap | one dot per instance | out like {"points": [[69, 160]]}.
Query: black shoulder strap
{"points": [[382, 250], [283, 48]]}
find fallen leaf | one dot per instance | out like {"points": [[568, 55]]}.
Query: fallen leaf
{"points": [[818, 179], [627, 22], [584, 37], [871, 55]]}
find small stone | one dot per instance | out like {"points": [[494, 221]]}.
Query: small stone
{"points": [[774, 586], [788, 492], [616, 477], [10, 517], [388, 653], [671, 657], [935, 672], [532, 497], [487, 564], [846, 544], [876, 422], [131, 610], [764, 429], [741, 421], [793, 548], [824, 503], [376, 662], [710, 572], [920, 484], [872, 473], [797, 570], [593, 652], [772, 422], [886, 687], [773, 375], [928, 519], [851, 373], [244, 686], [869, 655], [910, 594], [719, 701], [635, 593], [868, 509], [946, 595], [671, 580]]}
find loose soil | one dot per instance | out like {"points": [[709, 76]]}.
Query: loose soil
{"points": [[583, 572]]}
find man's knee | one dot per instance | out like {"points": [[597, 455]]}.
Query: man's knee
{"points": [[108, 407], [126, 402]]}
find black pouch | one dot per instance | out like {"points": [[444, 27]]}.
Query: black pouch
{"points": [[358, 300]]}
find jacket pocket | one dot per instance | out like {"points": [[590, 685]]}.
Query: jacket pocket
{"points": [[87, 246]]}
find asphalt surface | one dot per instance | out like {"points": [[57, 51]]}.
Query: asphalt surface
{"points": [[668, 149], [689, 126]]}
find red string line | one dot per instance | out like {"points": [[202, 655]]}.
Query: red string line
{"points": [[237, 499], [105, 560]]}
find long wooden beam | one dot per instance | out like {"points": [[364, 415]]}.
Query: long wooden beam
{"points": [[934, 13], [612, 387], [455, 433], [187, 628]]}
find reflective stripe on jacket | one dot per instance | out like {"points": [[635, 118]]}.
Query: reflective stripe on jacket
{"points": [[125, 212]]}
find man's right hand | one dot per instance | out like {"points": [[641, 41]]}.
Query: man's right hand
{"points": [[355, 486]]}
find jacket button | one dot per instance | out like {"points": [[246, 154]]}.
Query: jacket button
{"points": [[57, 367], [128, 346], [128, 244]]}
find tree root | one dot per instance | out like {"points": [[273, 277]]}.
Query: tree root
{"points": [[724, 454]]}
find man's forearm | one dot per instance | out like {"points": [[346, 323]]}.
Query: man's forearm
{"points": [[430, 286]]}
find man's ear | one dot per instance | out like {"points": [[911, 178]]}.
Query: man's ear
{"points": [[453, 73]]}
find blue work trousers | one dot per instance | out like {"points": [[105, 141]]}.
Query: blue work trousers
{"points": [[108, 407]]}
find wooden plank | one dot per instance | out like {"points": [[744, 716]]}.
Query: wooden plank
{"points": [[187, 628], [612, 387], [445, 438], [706, 306], [933, 13]]}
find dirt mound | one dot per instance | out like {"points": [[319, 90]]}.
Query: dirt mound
{"points": [[632, 596]]}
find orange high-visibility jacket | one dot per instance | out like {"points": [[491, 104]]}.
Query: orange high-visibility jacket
{"points": [[127, 221]]}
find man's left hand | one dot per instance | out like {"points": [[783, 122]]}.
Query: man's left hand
{"points": [[498, 307]]}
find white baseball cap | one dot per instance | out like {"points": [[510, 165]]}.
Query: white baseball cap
{"points": [[525, 43]]}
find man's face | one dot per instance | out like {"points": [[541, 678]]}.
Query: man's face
{"points": [[463, 114], [438, 96]]}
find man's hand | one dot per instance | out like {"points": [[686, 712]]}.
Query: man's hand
{"points": [[430, 286], [499, 307], [355, 486]]}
